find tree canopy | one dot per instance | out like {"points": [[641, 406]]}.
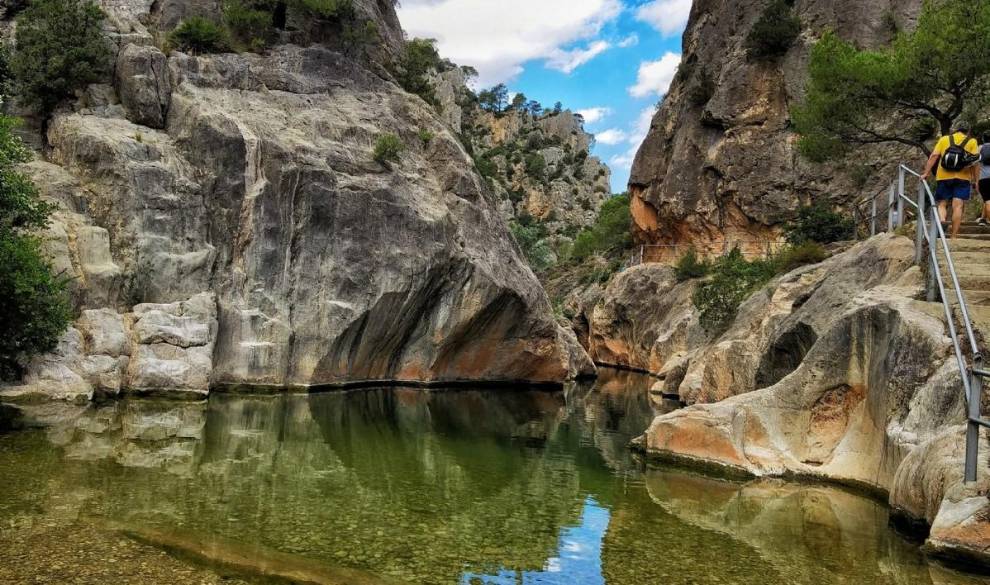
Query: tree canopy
{"points": [[494, 100], [927, 79], [60, 48]]}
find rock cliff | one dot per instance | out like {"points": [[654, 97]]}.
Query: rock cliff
{"points": [[833, 371], [248, 180], [537, 161], [719, 166]]}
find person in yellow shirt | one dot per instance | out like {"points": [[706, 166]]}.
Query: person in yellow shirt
{"points": [[954, 185]]}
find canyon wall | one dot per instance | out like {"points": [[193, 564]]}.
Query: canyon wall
{"points": [[719, 167], [247, 182]]}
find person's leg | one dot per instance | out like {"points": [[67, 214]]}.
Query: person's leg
{"points": [[943, 195], [985, 194], [961, 193], [958, 206]]}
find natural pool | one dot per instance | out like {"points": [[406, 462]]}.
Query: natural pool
{"points": [[418, 487]]}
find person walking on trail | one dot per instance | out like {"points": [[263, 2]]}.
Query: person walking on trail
{"points": [[984, 185], [957, 156]]}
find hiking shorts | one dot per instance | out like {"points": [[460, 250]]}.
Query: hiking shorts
{"points": [[953, 189], [985, 190]]}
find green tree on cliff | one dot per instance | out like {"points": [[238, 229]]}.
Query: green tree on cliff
{"points": [[60, 48], [34, 305], [926, 79]]}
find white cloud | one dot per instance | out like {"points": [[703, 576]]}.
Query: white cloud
{"points": [[496, 38], [655, 76], [593, 115], [670, 17], [611, 137], [568, 61], [630, 41], [634, 138]]}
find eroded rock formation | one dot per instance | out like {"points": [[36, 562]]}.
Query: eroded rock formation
{"points": [[250, 178], [834, 371], [719, 166]]}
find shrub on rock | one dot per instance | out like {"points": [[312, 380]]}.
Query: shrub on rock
{"points": [[200, 35], [775, 31], [388, 148], [60, 48], [34, 304]]}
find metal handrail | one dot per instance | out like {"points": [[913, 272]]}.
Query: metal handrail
{"points": [[929, 232]]}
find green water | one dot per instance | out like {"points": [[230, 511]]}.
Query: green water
{"points": [[431, 487]]}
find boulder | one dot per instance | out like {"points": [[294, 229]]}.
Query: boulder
{"points": [[144, 84], [104, 331]]}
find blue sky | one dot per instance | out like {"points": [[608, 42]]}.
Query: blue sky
{"points": [[611, 60]]}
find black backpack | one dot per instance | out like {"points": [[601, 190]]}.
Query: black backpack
{"points": [[956, 158]]}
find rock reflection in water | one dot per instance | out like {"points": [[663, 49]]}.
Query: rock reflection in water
{"points": [[434, 487]]}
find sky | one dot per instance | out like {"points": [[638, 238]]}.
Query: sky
{"points": [[610, 60]]}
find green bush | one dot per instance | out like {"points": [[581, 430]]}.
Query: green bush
{"points": [[250, 21], [531, 237], [388, 148], [818, 223], [358, 36], [611, 233], [419, 57], [775, 31], [733, 280], [199, 35], [690, 266], [34, 304], [536, 165], [60, 48], [798, 255], [425, 136], [486, 167], [328, 9]]}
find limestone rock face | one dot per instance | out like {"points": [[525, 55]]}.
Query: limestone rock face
{"points": [[145, 87], [249, 179], [719, 165], [173, 346], [835, 371], [645, 320]]}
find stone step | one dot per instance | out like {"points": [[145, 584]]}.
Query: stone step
{"points": [[974, 298], [969, 279], [968, 257], [972, 238], [980, 315]]}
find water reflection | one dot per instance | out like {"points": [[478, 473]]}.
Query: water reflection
{"points": [[578, 561], [429, 487]]}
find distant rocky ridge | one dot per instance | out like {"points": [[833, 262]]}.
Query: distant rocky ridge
{"points": [[249, 179], [539, 164], [719, 166]]}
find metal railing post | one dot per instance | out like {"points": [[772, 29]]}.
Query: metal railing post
{"points": [[919, 236], [873, 218], [890, 207], [973, 427], [932, 239], [900, 196]]}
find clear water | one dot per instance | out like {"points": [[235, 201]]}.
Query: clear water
{"points": [[431, 487]]}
